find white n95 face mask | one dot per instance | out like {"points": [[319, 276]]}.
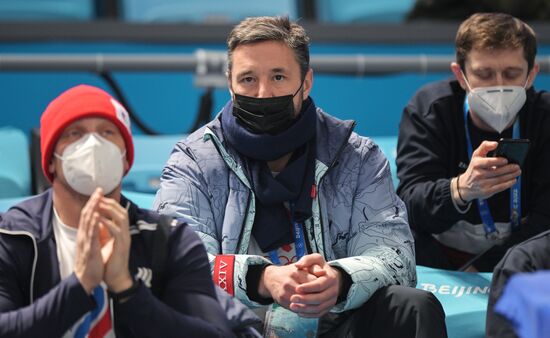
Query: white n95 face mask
{"points": [[497, 106], [92, 162]]}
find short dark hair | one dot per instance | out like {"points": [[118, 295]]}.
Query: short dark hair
{"points": [[267, 28], [495, 31]]}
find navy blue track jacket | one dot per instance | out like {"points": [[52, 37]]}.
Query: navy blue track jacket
{"points": [[35, 302]]}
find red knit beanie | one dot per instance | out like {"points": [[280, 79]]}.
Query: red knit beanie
{"points": [[76, 103]]}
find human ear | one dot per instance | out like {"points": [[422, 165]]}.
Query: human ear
{"points": [[532, 75], [459, 75], [308, 83]]}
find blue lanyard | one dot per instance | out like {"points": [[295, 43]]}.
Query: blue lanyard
{"points": [[299, 240], [515, 191]]}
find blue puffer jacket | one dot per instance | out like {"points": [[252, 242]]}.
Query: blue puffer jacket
{"points": [[358, 224]]}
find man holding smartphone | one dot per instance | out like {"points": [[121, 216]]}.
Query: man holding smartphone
{"points": [[464, 205]]}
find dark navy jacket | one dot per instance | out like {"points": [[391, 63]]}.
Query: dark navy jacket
{"points": [[35, 302], [529, 256]]}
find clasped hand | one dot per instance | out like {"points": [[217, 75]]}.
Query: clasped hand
{"points": [[103, 244], [309, 287]]}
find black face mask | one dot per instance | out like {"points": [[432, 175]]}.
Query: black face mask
{"points": [[264, 115]]}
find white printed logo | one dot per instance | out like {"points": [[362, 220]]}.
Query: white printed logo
{"points": [[146, 275], [222, 276], [455, 290], [122, 114]]}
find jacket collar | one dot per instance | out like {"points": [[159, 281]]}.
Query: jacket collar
{"points": [[34, 215]]}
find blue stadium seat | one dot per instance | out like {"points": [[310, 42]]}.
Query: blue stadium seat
{"points": [[46, 10], [388, 145], [6, 203], [350, 11], [15, 168], [143, 200], [151, 154], [204, 10], [464, 297]]}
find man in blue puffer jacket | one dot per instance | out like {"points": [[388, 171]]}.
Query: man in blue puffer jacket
{"points": [[79, 259], [293, 206]]}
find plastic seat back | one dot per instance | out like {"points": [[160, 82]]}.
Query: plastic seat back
{"points": [[151, 154], [204, 10], [388, 145], [349, 11], [464, 296], [15, 172], [46, 10]]}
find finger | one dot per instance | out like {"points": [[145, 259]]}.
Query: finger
{"points": [[500, 187], [111, 210], [488, 162], [90, 225], [111, 226], [311, 311], [104, 234], [318, 270], [83, 225], [492, 182], [511, 170], [92, 202], [94, 238], [484, 148], [89, 207], [98, 192], [309, 299], [309, 260], [112, 203], [107, 250], [115, 212], [318, 285], [302, 276], [314, 271]]}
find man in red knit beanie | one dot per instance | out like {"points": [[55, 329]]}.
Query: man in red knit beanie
{"points": [[79, 259]]}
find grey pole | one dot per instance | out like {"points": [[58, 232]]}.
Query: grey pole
{"points": [[214, 62]]}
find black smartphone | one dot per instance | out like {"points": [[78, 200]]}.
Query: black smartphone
{"points": [[514, 150]]}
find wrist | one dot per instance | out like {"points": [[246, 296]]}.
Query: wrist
{"points": [[123, 295], [340, 280], [263, 291], [125, 282], [88, 287], [344, 284], [460, 197]]}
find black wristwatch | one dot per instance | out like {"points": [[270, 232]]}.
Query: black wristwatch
{"points": [[118, 297]]}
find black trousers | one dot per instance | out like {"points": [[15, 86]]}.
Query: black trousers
{"points": [[392, 311]]}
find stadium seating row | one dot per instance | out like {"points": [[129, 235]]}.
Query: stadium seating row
{"points": [[15, 169], [151, 153], [328, 11]]}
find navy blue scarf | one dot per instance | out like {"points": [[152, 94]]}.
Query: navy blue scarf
{"points": [[272, 223]]}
